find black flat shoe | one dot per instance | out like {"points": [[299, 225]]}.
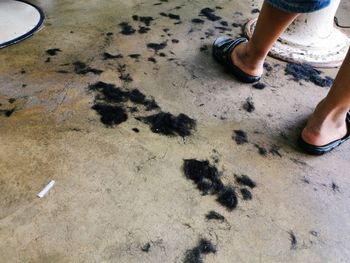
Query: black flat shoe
{"points": [[222, 49], [319, 150]]}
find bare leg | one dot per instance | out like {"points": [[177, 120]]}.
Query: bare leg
{"points": [[250, 56], [328, 121]]}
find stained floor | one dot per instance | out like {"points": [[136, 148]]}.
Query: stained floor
{"points": [[121, 193]]}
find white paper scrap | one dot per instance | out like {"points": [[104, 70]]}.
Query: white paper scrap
{"points": [[46, 189]]}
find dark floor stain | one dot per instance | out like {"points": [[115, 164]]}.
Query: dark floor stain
{"points": [[293, 240], [146, 248], [212, 215], [53, 51], [262, 150], [82, 69], [240, 137], [157, 46], [249, 105], [255, 11], [195, 255], [308, 73], [246, 194], [245, 180], [209, 14], [136, 130], [107, 56], [167, 124], [175, 41], [110, 115], [259, 85], [126, 28]]}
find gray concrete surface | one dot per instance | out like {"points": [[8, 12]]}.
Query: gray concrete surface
{"points": [[117, 190]]}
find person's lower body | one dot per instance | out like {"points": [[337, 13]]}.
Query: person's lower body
{"points": [[329, 121]]}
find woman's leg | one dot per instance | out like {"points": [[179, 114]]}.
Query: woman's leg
{"points": [[271, 23], [328, 121]]}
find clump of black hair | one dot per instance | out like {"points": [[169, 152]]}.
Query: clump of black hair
{"points": [[195, 255], [267, 66], [246, 194], [245, 180], [240, 137], [207, 179], [197, 21], [262, 150], [53, 51], [144, 19], [109, 92], [157, 46], [107, 56], [139, 98], [167, 124], [205, 175], [112, 94], [227, 197], [212, 215], [126, 28], [308, 73], [293, 240], [209, 14], [249, 105], [110, 115], [259, 85], [123, 74], [82, 69], [146, 248], [6, 113]]}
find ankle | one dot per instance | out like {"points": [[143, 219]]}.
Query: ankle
{"points": [[327, 112], [245, 57]]}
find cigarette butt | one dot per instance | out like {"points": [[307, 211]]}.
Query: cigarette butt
{"points": [[46, 189]]}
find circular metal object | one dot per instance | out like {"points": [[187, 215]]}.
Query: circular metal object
{"points": [[19, 20], [327, 55]]}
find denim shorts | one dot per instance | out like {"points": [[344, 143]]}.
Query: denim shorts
{"points": [[299, 6]]}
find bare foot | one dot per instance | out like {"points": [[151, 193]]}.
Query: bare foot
{"points": [[325, 126], [246, 61]]}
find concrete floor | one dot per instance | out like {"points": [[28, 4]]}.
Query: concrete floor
{"points": [[116, 189]]}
